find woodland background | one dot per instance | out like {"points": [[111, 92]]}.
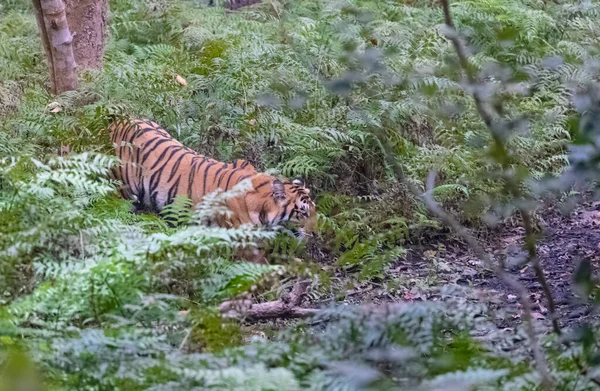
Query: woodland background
{"points": [[405, 129]]}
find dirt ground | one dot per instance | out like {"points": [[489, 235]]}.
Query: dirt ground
{"points": [[564, 241]]}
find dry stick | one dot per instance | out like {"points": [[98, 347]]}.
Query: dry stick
{"points": [[539, 271], [286, 307]]}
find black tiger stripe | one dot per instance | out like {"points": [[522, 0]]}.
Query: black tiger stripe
{"points": [[118, 134], [149, 150], [229, 179], [208, 166], [157, 180], [141, 194], [153, 203], [176, 165], [127, 179], [283, 213], [201, 164], [135, 134], [173, 190], [224, 166], [163, 154], [262, 184], [262, 216], [220, 179], [191, 179], [243, 177]]}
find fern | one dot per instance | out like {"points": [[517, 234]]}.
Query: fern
{"points": [[315, 89]]}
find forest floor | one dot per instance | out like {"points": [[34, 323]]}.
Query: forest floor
{"points": [[564, 241]]}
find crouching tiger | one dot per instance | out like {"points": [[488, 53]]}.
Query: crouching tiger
{"points": [[155, 168]]}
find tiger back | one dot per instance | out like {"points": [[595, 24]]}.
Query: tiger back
{"points": [[155, 168]]}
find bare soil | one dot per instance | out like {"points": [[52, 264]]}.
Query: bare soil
{"points": [[564, 241]]}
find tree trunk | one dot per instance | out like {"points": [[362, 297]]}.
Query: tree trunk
{"points": [[58, 43], [74, 34], [88, 22]]}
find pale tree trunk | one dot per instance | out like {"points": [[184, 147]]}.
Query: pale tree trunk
{"points": [[74, 35], [58, 43], [88, 22]]}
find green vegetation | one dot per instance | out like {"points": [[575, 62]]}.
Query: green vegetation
{"points": [[94, 297]]}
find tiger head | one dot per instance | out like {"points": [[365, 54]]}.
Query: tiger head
{"points": [[274, 202]]}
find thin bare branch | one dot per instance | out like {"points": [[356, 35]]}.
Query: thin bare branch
{"points": [[505, 277], [522, 293], [511, 185]]}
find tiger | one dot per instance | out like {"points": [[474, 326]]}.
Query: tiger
{"points": [[155, 168]]}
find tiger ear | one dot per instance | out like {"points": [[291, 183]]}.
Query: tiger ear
{"points": [[300, 182], [278, 190]]}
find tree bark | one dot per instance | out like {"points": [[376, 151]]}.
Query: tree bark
{"points": [[58, 43], [88, 22]]}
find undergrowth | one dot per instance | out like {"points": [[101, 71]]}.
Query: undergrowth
{"points": [[100, 298]]}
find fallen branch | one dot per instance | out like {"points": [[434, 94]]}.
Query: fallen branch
{"points": [[286, 307]]}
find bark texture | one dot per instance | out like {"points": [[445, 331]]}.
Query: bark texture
{"points": [[88, 21], [58, 43]]}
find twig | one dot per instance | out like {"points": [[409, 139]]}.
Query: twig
{"points": [[539, 271], [286, 307], [511, 185], [185, 339], [506, 278], [513, 188]]}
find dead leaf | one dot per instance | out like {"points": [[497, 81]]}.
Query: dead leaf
{"points": [[524, 269], [537, 315], [181, 80], [54, 107], [408, 296]]}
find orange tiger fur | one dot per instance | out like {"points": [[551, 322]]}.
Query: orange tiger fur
{"points": [[155, 168]]}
